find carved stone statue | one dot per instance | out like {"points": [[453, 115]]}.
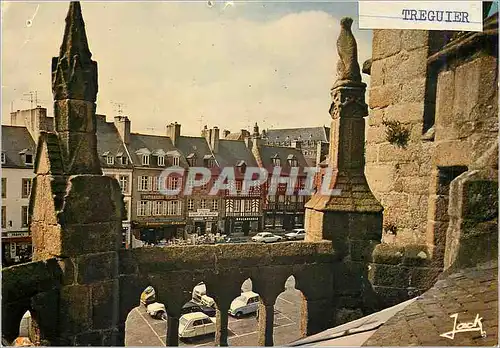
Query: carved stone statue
{"points": [[347, 66]]}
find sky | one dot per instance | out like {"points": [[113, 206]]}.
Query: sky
{"points": [[225, 64]]}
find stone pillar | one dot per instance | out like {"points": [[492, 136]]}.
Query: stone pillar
{"points": [[221, 332], [352, 216], [75, 211], [266, 325], [172, 331]]}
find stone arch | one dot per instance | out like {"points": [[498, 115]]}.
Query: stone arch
{"points": [[290, 313], [12, 322]]}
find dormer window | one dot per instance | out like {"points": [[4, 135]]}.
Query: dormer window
{"points": [[209, 161], [121, 158], [276, 160], [144, 155], [242, 166], [110, 160], [3, 157], [175, 161], [161, 161], [191, 158], [27, 156], [292, 161]]}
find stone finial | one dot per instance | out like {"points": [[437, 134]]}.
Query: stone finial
{"points": [[74, 73], [347, 66]]}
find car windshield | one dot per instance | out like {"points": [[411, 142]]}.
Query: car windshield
{"points": [[183, 321], [242, 299]]}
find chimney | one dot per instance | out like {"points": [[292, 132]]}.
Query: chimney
{"points": [[297, 144], [122, 124], [214, 139], [35, 120], [174, 132], [204, 131], [226, 133]]}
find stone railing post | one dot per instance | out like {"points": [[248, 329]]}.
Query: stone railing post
{"points": [[222, 319], [266, 324], [172, 331]]}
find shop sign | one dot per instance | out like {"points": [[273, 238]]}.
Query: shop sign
{"points": [[201, 213], [154, 197]]}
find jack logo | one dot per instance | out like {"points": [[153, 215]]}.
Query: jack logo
{"points": [[475, 325]]}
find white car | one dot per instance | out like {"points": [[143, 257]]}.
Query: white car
{"points": [[246, 303], [196, 324], [157, 310], [200, 295], [296, 234], [266, 237]]}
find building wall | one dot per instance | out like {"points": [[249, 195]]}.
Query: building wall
{"points": [[459, 99], [15, 235]]}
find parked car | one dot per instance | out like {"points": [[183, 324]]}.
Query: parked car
{"points": [[192, 307], [196, 324], [246, 303], [148, 296], [266, 237], [296, 234], [157, 310]]}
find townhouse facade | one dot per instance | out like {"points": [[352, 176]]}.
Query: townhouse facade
{"points": [[153, 171], [17, 158]]}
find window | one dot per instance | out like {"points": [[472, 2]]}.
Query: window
{"points": [[26, 188], [110, 160], [142, 208], [203, 204], [238, 185], [24, 216], [123, 160], [281, 198], [215, 204], [248, 205], [3, 157], [28, 159], [175, 208], [144, 183], [175, 161], [255, 205], [173, 182], [123, 180], [192, 162], [145, 160], [161, 161], [4, 187], [157, 208], [210, 163], [190, 204], [276, 161], [4, 216], [293, 162], [155, 183]]}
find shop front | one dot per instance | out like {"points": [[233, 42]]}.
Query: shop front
{"points": [[157, 231], [203, 221], [242, 224]]}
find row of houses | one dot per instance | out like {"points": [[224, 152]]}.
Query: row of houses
{"points": [[140, 162]]}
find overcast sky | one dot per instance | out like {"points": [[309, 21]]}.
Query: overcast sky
{"points": [[224, 65]]}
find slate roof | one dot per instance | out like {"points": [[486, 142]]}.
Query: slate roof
{"points": [[197, 146], [308, 133], [267, 153], [152, 143], [467, 292], [110, 143], [421, 320], [231, 152], [14, 140]]}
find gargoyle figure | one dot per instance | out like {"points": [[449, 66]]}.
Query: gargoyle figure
{"points": [[347, 66]]}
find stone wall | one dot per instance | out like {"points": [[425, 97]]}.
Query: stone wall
{"points": [[399, 177], [174, 271], [448, 103]]}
